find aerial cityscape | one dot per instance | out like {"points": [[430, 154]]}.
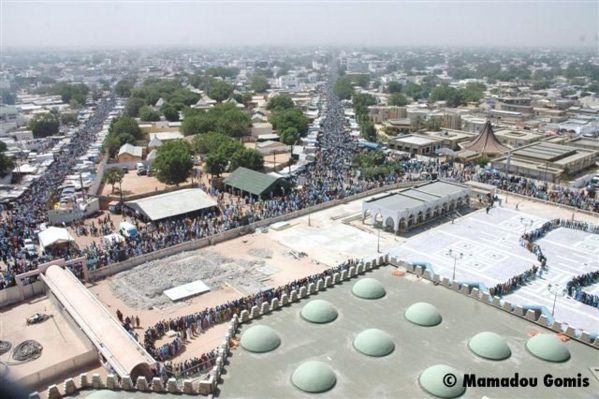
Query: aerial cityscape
{"points": [[299, 199]]}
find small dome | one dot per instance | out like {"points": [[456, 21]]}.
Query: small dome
{"points": [[319, 311], [435, 380], [374, 342], [423, 314], [368, 288], [260, 339], [314, 376], [489, 346], [548, 347]]}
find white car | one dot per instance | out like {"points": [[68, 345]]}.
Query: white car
{"points": [[30, 247]]}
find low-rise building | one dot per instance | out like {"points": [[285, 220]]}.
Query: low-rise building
{"points": [[130, 153], [517, 138]]}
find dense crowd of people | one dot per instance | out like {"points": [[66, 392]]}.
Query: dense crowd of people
{"points": [[574, 288], [577, 198], [194, 324], [21, 219], [515, 282]]}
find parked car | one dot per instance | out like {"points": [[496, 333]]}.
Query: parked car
{"points": [[30, 247]]}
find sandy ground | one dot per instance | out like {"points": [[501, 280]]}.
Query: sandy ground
{"points": [[272, 265], [59, 339], [134, 185]]}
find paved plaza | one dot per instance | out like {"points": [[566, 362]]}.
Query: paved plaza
{"points": [[491, 254]]}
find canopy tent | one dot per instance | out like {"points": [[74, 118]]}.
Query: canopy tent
{"points": [[54, 236]]}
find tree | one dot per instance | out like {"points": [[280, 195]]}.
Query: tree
{"points": [[173, 162], [398, 99], [368, 131], [123, 88], [114, 176], [344, 88], [474, 92], [133, 106], [219, 90], [122, 130], [208, 143], [247, 158], [280, 102], [68, 118], [434, 124], [259, 83], [6, 163], [44, 125], [451, 95], [361, 80], [149, 114], [170, 112], [282, 120], [216, 164], [8, 98], [289, 136], [393, 87], [413, 90], [68, 92]]}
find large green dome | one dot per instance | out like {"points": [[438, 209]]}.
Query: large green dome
{"points": [[374, 342], [260, 339], [319, 311], [423, 314], [314, 376], [489, 345], [435, 381], [368, 288], [548, 347]]}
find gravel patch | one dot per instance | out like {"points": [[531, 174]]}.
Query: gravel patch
{"points": [[142, 286]]}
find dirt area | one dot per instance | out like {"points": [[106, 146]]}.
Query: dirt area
{"points": [[136, 185]]}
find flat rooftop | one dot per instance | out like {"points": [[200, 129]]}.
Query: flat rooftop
{"points": [[545, 151], [263, 375]]}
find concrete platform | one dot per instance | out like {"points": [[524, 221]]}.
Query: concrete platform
{"points": [[186, 290]]}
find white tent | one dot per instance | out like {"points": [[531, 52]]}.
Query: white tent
{"points": [[54, 235]]}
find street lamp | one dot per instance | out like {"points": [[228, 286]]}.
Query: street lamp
{"points": [[378, 239], [556, 290], [526, 223], [455, 257]]}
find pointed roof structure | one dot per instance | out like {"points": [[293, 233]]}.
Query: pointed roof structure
{"points": [[486, 142]]}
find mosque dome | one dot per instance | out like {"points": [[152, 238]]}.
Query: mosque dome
{"points": [[548, 347], [490, 346], [319, 311], [423, 314], [374, 342], [260, 339], [314, 377], [368, 288], [435, 381]]}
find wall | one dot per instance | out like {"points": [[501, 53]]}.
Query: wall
{"points": [[12, 295], [95, 187], [197, 244], [59, 216]]}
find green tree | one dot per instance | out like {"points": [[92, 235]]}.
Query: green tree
{"points": [[413, 90], [248, 158], [259, 84], [113, 176], [44, 125], [8, 98], [289, 136], [282, 120], [133, 106], [280, 102], [170, 112], [361, 80], [68, 92], [344, 88], [208, 143], [451, 95], [123, 88], [393, 87], [68, 118], [433, 124], [173, 162], [122, 130], [474, 92], [6, 163], [216, 163], [149, 114], [220, 90], [368, 131], [398, 99]]}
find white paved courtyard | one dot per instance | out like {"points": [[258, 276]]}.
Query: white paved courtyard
{"points": [[491, 254]]}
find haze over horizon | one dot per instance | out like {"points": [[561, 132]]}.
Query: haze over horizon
{"points": [[96, 24]]}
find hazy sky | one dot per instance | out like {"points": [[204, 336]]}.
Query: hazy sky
{"points": [[188, 23]]}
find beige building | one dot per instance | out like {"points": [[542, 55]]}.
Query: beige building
{"points": [[546, 161], [261, 128], [378, 114], [517, 138], [416, 144], [451, 138]]}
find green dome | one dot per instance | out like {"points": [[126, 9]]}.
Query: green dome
{"points": [[423, 314], [434, 380], [260, 339], [368, 288], [104, 394], [319, 311], [374, 342], [313, 376], [548, 347], [489, 346]]}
